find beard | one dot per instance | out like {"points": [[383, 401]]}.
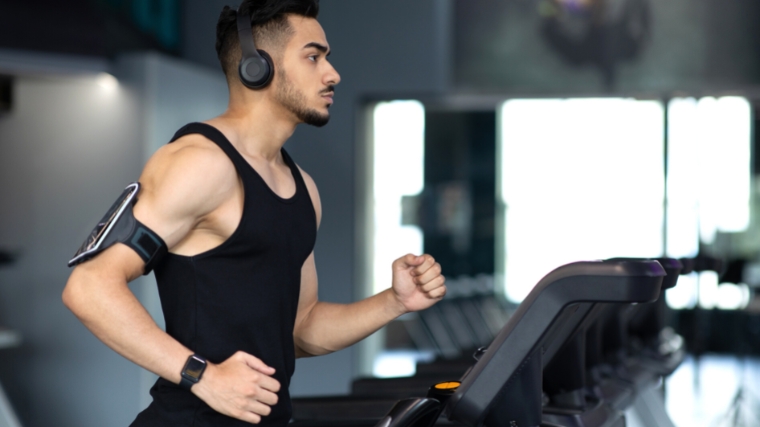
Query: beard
{"points": [[295, 101]]}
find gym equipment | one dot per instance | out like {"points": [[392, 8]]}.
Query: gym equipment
{"points": [[503, 388], [626, 357]]}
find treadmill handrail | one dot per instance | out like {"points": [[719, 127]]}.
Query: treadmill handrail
{"points": [[534, 320]]}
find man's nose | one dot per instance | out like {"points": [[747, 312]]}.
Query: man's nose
{"points": [[332, 77]]}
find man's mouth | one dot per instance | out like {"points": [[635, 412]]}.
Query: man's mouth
{"points": [[328, 96]]}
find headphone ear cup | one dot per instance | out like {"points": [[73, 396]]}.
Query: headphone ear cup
{"points": [[256, 72]]}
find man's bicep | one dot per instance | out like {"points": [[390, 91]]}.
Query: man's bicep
{"points": [[169, 219], [174, 196]]}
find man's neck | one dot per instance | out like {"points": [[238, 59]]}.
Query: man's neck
{"points": [[260, 128]]}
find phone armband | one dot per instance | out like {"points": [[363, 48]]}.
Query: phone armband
{"points": [[119, 225]]}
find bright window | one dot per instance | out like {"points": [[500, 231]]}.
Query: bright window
{"points": [[708, 189], [398, 170], [580, 179]]}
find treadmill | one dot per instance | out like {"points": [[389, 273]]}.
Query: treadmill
{"points": [[504, 387], [620, 350]]}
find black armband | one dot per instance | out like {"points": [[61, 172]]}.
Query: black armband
{"points": [[119, 225]]}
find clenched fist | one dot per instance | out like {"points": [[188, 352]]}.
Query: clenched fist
{"points": [[241, 387], [417, 282]]}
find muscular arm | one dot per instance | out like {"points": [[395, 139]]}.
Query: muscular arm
{"points": [[97, 290], [98, 294], [175, 199], [323, 327]]}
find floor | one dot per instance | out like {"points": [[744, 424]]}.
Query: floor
{"points": [[715, 391]]}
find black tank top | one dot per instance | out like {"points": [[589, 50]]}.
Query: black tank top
{"points": [[239, 296]]}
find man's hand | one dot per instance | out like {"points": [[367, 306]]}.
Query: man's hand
{"points": [[417, 282], [241, 387]]}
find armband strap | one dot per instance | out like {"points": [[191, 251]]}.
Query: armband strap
{"points": [[147, 244], [119, 225]]}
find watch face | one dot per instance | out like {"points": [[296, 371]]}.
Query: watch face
{"points": [[194, 368]]}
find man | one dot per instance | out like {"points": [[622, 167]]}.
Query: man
{"points": [[239, 218]]}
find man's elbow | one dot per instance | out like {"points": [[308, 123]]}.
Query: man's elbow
{"points": [[301, 353], [306, 349], [71, 293], [75, 292]]}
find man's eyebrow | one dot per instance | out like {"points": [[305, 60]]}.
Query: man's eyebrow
{"points": [[320, 47]]}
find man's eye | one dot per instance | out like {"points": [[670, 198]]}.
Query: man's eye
{"points": [[313, 58]]}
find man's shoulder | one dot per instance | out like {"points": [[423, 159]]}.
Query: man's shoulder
{"points": [[192, 166], [193, 147], [192, 154], [308, 180]]}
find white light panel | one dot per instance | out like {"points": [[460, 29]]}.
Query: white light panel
{"points": [[398, 170], [581, 179], [708, 189]]}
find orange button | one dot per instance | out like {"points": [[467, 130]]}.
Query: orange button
{"points": [[447, 385]]}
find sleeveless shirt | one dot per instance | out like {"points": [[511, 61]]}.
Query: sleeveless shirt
{"points": [[239, 296]]}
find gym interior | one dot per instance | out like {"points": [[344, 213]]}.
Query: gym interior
{"points": [[508, 139]]}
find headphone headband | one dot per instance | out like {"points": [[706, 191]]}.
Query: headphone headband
{"points": [[245, 33]]}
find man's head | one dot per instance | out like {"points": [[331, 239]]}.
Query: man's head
{"points": [[287, 30]]}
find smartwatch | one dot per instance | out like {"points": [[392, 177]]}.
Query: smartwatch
{"points": [[193, 371]]}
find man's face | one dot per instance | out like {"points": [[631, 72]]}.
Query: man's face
{"points": [[304, 81]]}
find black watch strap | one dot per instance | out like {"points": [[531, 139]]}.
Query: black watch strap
{"points": [[185, 383], [193, 371]]}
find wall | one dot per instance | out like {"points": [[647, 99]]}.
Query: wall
{"points": [[66, 150], [692, 45]]}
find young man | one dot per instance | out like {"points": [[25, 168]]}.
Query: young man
{"points": [[238, 285]]}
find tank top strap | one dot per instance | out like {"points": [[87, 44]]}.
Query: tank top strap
{"points": [[216, 136], [300, 184]]}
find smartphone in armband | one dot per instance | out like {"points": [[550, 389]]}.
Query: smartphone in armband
{"points": [[95, 241]]}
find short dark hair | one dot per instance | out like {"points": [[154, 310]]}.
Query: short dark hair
{"points": [[269, 21]]}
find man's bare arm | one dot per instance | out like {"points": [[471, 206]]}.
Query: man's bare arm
{"points": [[323, 328], [175, 199], [98, 294]]}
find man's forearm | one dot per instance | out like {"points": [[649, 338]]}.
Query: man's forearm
{"points": [[117, 318], [332, 327]]}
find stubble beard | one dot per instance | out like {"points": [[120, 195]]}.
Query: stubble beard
{"points": [[295, 101]]}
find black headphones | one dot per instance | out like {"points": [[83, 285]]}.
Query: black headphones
{"points": [[256, 68]]}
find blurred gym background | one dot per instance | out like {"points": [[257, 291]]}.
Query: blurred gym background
{"points": [[503, 137]]}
